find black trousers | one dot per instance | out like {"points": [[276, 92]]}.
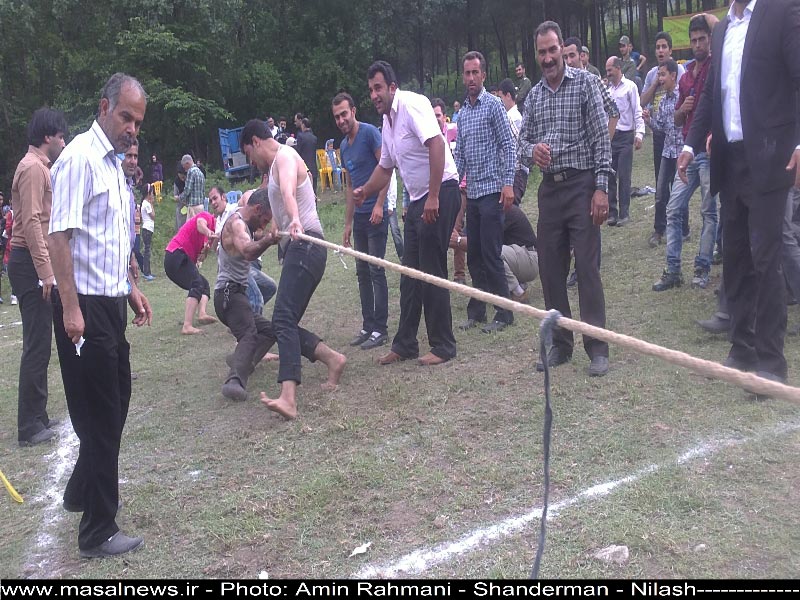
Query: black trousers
{"points": [[426, 250], [183, 273], [254, 334], [485, 220], [564, 221], [751, 263], [37, 337], [98, 388]]}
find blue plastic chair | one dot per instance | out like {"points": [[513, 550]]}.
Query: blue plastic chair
{"points": [[233, 196], [336, 166]]}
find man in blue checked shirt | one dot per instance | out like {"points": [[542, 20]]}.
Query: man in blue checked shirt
{"points": [[485, 154]]}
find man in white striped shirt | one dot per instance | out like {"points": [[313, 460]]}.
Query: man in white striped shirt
{"points": [[89, 245]]}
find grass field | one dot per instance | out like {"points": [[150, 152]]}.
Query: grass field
{"points": [[413, 459]]}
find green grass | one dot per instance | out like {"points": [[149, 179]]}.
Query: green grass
{"points": [[408, 457]]}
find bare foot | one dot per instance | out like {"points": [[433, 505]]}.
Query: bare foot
{"points": [[206, 320], [190, 330], [335, 368], [282, 406], [270, 357]]}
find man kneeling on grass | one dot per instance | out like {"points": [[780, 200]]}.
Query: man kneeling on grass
{"points": [[293, 203]]}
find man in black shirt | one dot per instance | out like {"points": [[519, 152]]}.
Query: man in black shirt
{"points": [[307, 149]]}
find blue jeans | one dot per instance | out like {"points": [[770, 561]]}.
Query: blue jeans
{"points": [[485, 221], [260, 288], [698, 174], [372, 286]]}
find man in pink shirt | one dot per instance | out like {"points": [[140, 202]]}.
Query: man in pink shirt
{"points": [[180, 264]]}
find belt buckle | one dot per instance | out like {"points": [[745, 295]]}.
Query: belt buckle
{"points": [[559, 177]]}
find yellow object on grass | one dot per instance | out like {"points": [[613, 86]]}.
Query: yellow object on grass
{"points": [[14, 494]]}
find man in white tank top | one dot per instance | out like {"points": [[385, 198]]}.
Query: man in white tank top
{"points": [[293, 203]]}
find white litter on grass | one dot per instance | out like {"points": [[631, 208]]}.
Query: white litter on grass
{"points": [[12, 324], [263, 575], [195, 474], [362, 549], [613, 554], [419, 561]]}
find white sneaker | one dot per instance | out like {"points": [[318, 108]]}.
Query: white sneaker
{"points": [[13, 300]]}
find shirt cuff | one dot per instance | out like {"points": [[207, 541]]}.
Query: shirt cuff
{"points": [[601, 181], [691, 151], [798, 147]]}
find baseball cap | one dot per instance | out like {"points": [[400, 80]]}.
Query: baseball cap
{"points": [[584, 49], [624, 40]]}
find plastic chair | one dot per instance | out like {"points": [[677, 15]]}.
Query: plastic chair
{"points": [[336, 165], [157, 189], [325, 170], [233, 196]]}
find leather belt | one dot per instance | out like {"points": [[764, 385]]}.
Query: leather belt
{"points": [[561, 176]]}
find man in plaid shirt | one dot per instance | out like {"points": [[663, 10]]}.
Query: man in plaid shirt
{"points": [[194, 193], [565, 133], [485, 154]]}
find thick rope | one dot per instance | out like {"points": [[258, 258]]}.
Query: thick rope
{"points": [[707, 368]]}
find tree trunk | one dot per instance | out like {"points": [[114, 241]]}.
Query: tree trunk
{"points": [[661, 8], [644, 42], [619, 16], [603, 30], [501, 48]]}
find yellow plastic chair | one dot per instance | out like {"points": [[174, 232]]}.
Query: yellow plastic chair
{"points": [[325, 170], [157, 190]]}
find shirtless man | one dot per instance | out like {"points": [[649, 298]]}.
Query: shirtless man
{"points": [[293, 203]]}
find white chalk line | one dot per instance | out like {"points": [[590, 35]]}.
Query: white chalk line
{"points": [[61, 460], [419, 561]]}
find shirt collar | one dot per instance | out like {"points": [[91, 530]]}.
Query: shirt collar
{"points": [[569, 73], [748, 11], [105, 144], [480, 99], [41, 156]]}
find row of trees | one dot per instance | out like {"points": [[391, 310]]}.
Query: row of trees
{"points": [[215, 63]]}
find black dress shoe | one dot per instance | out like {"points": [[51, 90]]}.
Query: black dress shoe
{"points": [[469, 324], [771, 377], [556, 356], [494, 327], [38, 438], [119, 543], [739, 365], [362, 337], [715, 324], [374, 341], [598, 367]]}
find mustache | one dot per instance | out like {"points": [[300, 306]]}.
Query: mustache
{"points": [[546, 65]]}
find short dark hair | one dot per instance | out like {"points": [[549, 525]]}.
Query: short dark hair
{"points": [[475, 55], [113, 88], [381, 66], [440, 103], [572, 40], [507, 87], [306, 122], [548, 26], [699, 23], [343, 97], [281, 119], [218, 188], [260, 198], [521, 65], [663, 35], [492, 89], [254, 128], [44, 122], [671, 66]]}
